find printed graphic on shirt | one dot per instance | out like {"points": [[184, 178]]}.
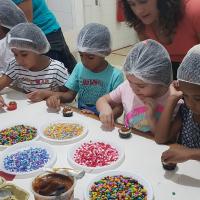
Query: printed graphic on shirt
{"points": [[138, 120]]}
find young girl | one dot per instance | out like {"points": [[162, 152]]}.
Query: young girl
{"points": [[185, 129], [94, 76], [149, 73], [32, 70]]}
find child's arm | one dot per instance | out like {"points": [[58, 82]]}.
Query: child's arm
{"points": [[104, 105], [57, 98], [2, 103], [179, 153], [166, 129], [5, 81]]}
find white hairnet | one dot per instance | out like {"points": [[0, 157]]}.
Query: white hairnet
{"points": [[95, 39], [189, 69], [149, 61], [28, 37], [10, 14]]}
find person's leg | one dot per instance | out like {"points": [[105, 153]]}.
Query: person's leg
{"points": [[60, 51], [175, 66]]}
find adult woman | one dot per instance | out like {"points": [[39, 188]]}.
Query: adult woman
{"points": [[174, 23], [38, 12]]}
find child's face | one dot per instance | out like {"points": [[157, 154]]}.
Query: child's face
{"points": [[191, 94], [26, 59], [92, 62], [142, 89]]}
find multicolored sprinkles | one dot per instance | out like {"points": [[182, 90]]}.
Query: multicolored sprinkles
{"points": [[16, 134], [27, 160], [63, 131], [117, 188], [95, 154]]}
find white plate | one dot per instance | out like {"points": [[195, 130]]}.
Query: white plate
{"points": [[139, 178], [15, 124], [113, 165], [70, 140], [25, 146]]}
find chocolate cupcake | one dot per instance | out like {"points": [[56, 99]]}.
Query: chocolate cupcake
{"points": [[168, 166], [124, 132], [67, 111]]}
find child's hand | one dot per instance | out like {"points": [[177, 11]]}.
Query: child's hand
{"points": [[174, 90], [2, 103], [53, 102], [176, 154], [36, 96], [107, 119]]}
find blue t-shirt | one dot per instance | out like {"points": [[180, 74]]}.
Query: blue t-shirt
{"points": [[90, 86], [42, 16]]}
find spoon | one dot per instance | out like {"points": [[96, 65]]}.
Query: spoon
{"points": [[78, 174]]}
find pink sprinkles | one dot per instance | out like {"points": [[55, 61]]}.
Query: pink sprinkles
{"points": [[95, 154]]}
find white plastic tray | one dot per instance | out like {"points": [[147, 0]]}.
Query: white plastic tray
{"points": [[70, 140], [139, 178], [25, 146], [15, 124], [113, 165]]}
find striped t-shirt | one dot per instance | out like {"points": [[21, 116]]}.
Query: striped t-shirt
{"points": [[50, 78]]}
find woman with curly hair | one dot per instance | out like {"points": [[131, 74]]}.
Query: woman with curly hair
{"points": [[173, 23]]}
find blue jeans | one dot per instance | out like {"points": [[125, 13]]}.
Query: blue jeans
{"points": [[59, 50]]}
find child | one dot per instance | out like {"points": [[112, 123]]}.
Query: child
{"points": [[93, 77], [185, 129], [32, 70], [10, 15], [149, 73]]}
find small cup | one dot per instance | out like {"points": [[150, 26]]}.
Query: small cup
{"points": [[169, 166], [52, 186], [124, 132]]}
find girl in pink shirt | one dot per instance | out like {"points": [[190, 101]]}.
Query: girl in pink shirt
{"points": [[149, 74]]}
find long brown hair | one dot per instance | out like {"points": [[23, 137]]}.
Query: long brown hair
{"points": [[171, 12]]}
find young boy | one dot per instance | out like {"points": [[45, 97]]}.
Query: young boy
{"points": [[94, 76], [33, 71]]}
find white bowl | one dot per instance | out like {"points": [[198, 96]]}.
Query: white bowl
{"points": [[70, 140], [15, 124], [25, 146], [139, 178], [113, 165]]}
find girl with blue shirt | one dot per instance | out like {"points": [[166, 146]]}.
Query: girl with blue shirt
{"points": [[94, 76], [38, 12]]}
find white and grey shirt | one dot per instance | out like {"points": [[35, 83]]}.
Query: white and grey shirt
{"points": [[50, 78]]}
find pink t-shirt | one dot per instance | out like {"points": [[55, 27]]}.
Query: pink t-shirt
{"points": [[134, 108], [186, 33]]}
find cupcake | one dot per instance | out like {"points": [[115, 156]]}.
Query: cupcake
{"points": [[124, 132], [12, 105], [67, 111], [168, 166]]}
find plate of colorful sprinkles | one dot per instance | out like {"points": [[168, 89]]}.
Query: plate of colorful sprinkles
{"points": [[118, 185], [67, 131], [11, 135], [95, 155], [27, 158]]}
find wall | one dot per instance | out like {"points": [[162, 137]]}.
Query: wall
{"points": [[73, 14]]}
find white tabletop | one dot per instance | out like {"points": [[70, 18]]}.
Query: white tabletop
{"points": [[142, 156]]}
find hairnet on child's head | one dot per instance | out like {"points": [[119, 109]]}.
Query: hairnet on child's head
{"points": [[149, 61], [189, 69], [94, 38], [10, 14], [28, 37]]}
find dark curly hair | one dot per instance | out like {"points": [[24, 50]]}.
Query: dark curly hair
{"points": [[171, 12]]}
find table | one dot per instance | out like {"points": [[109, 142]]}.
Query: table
{"points": [[142, 155]]}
